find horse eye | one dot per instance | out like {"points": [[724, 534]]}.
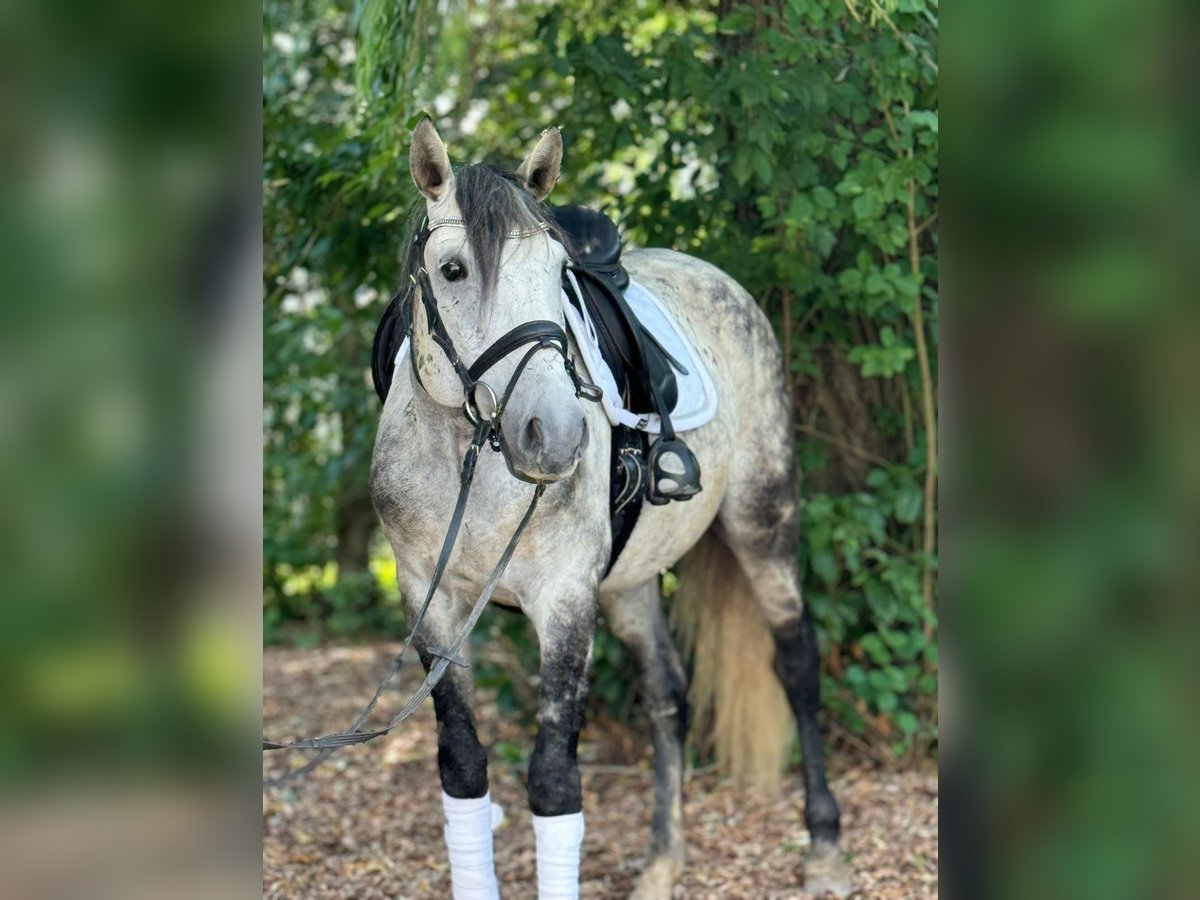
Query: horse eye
{"points": [[453, 270]]}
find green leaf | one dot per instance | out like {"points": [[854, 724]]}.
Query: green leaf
{"points": [[851, 280], [866, 206], [824, 197], [800, 210], [897, 679], [509, 751], [819, 533], [741, 168], [875, 649], [839, 153], [909, 501], [738, 22], [762, 168], [824, 564], [878, 478], [924, 118]]}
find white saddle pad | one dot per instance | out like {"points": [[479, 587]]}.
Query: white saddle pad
{"points": [[697, 402]]}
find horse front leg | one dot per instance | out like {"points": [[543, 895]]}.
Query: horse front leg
{"points": [[469, 814], [565, 630]]}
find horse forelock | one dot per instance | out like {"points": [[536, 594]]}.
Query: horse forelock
{"points": [[492, 202]]}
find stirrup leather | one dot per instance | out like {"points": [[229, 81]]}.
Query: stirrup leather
{"points": [[673, 470]]}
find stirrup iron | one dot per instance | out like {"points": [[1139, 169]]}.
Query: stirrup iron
{"points": [[674, 471]]}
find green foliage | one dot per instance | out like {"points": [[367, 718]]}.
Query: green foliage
{"points": [[332, 192], [865, 590], [793, 144]]}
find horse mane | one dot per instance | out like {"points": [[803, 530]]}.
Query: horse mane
{"points": [[492, 202]]}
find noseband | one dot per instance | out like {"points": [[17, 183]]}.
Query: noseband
{"points": [[541, 333]]}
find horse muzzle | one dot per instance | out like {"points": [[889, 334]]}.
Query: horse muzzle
{"points": [[546, 446]]}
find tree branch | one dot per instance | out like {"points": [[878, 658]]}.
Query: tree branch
{"points": [[927, 409], [844, 445]]}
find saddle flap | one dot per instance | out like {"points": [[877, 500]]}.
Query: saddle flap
{"points": [[642, 369], [393, 328]]}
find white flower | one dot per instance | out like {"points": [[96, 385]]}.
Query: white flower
{"points": [[364, 296]]}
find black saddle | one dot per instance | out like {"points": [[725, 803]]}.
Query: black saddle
{"points": [[643, 370], [658, 471], [595, 241]]}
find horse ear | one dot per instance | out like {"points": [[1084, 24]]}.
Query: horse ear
{"points": [[429, 162], [540, 169]]}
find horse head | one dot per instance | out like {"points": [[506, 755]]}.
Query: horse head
{"points": [[494, 262]]}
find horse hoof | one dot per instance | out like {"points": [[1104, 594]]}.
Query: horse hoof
{"points": [[826, 872], [657, 881]]}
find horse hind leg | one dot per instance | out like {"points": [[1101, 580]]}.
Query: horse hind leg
{"points": [[636, 618], [759, 522]]}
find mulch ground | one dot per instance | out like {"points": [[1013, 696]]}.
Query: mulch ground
{"points": [[367, 824]]}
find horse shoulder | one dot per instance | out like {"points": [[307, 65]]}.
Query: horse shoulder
{"points": [[403, 478]]}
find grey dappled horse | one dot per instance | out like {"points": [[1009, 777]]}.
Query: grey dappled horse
{"points": [[739, 606]]}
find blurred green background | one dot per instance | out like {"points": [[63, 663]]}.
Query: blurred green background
{"points": [[792, 144]]}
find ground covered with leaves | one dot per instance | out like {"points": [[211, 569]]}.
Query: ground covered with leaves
{"points": [[367, 824]]}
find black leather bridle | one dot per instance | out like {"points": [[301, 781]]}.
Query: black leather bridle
{"points": [[541, 334]]}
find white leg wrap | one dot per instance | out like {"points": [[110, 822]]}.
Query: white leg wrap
{"points": [[559, 841], [469, 825]]}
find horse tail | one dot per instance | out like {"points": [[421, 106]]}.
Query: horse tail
{"points": [[738, 707]]}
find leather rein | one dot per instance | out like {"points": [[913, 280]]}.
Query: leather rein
{"points": [[540, 334]]}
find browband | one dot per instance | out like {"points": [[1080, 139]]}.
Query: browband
{"points": [[456, 222]]}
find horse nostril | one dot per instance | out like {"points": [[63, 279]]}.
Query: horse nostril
{"points": [[533, 433]]}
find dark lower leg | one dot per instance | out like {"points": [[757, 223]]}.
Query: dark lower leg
{"points": [[669, 729], [796, 662], [554, 787], [664, 692], [462, 759]]}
